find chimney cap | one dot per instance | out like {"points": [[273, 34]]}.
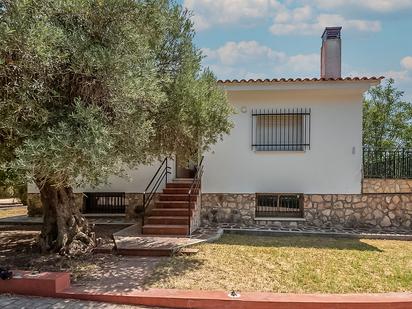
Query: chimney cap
{"points": [[331, 33]]}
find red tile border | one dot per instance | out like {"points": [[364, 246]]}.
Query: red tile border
{"points": [[36, 284], [216, 299], [58, 285]]}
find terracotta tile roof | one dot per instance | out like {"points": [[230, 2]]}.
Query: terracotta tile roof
{"points": [[294, 80]]}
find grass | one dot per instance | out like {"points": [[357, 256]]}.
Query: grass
{"points": [[13, 211], [291, 264]]}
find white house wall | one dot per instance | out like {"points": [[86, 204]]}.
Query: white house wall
{"points": [[135, 182], [332, 165], [329, 166]]}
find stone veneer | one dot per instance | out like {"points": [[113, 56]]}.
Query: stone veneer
{"points": [[195, 220], [35, 208], [228, 208], [379, 185], [133, 201], [382, 211]]}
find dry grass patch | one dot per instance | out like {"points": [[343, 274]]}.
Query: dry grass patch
{"points": [[291, 264], [13, 211]]}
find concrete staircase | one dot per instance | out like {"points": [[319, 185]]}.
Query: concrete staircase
{"points": [[170, 214]]}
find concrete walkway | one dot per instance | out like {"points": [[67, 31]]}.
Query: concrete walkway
{"points": [[101, 220], [25, 302], [120, 275], [131, 238], [10, 202], [358, 233]]}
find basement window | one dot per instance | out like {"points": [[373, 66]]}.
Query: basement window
{"points": [[279, 205], [281, 129]]}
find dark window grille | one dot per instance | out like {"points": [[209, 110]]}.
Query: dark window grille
{"points": [[387, 163], [281, 130], [104, 202], [279, 205]]}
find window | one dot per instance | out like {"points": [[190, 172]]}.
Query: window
{"points": [[284, 205], [281, 130]]}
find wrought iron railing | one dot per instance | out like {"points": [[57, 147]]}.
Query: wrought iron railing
{"points": [[279, 205], [104, 202], [154, 184], [194, 191], [281, 129], [387, 163]]}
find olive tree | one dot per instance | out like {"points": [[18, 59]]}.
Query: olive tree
{"points": [[89, 88]]}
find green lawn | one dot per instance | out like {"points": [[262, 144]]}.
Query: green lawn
{"points": [[291, 264]]}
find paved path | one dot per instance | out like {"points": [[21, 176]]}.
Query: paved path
{"points": [[131, 238], [317, 231], [26, 220], [25, 302]]}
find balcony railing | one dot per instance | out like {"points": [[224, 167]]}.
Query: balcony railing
{"points": [[387, 163]]}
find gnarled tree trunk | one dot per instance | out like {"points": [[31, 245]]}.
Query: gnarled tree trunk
{"points": [[64, 229]]}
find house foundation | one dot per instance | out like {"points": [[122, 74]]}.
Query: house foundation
{"points": [[385, 204], [133, 203], [384, 211]]}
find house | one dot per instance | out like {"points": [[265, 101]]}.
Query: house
{"points": [[294, 157]]}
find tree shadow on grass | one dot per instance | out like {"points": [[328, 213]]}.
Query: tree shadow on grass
{"points": [[316, 242], [177, 266]]}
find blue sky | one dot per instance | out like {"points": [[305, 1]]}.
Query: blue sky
{"points": [[274, 38]]}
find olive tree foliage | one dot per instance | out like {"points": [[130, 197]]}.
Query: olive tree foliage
{"points": [[387, 119], [89, 88]]}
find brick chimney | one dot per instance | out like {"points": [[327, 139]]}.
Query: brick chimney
{"points": [[330, 54]]}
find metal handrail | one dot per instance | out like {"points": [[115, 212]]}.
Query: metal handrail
{"points": [[164, 168], [195, 185]]}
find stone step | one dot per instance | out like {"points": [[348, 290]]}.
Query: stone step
{"points": [[169, 212], [163, 229], [167, 220], [177, 197], [174, 204]]}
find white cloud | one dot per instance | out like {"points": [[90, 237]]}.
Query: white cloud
{"points": [[398, 75], [250, 59], [301, 22], [242, 52], [306, 19], [303, 63], [209, 13], [407, 63], [382, 6]]}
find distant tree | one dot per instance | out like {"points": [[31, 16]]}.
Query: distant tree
{"points": [[387, 119], [91, 87]]}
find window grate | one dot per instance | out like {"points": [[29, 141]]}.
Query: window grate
{"points": [[284, 205], [104, 202], [281, 129]]}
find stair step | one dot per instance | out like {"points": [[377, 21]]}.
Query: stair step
{"points": [[178, 185], [166, 212], [176, 197], [174, 204], [179, 191], [173, 220], [183, 180], [162, 229]]}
